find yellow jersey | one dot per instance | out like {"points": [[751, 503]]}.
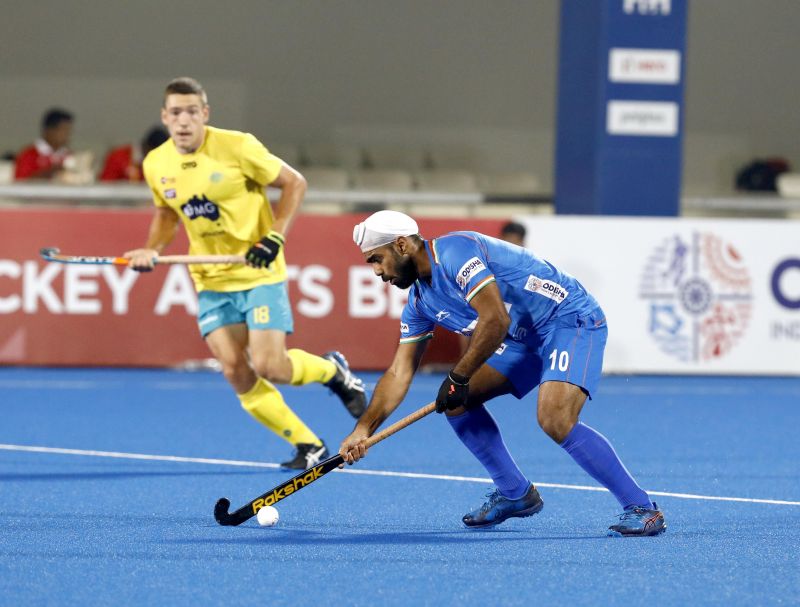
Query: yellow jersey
{"points": [[218, 192]]}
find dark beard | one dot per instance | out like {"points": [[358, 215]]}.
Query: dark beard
{"points": [[406, 271]]}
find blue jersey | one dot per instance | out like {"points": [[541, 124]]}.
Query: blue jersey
{"points": [[535, 292]]}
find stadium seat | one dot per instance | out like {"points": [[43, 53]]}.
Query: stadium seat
{"points": [[513, 183], [326, 154], [395, 157], [287, 152], [6, 171], [446, 181], [383, 179], [324, 178], [454, 157], [789, 185]]}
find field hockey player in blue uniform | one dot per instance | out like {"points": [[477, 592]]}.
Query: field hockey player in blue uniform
{"points": [[530, 324]]}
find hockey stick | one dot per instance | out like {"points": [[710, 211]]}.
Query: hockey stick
{"points": [[53, 254], [306, 477]]}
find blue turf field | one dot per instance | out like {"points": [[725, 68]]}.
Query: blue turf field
{"points": [[98, 530]]}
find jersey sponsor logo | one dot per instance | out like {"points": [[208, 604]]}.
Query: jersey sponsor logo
{"points": [[473, 267], [404, 328], [189, 165], [699, 292], [201, 207], [548, 288]]}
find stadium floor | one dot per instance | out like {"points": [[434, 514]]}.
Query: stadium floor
{"points": [[117, 522]]}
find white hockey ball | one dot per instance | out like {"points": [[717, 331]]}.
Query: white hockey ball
{"points": [[267, 516]]}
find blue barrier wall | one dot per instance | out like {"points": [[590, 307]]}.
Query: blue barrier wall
{"points": [[620, 115]]}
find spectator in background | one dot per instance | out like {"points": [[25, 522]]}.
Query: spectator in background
{"points": [[44, 159], [514, 233], [124, 163]]}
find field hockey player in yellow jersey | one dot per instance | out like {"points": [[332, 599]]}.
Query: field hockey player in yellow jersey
{"points": [[213, 181]]}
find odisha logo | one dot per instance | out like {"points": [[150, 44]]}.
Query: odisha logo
{"points": [[699, 292]]}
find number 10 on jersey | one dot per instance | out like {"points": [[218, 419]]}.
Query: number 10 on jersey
{"points": [[562, 359]]}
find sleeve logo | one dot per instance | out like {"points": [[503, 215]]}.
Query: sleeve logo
{"points": [[468, 270], [548, 288], [404, 328]]}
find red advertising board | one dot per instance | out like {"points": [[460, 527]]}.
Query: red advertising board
{"points": [[56, 314]]}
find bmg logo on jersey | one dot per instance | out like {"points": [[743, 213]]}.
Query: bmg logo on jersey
{"points": [[700, 296], [468, 270], [200, 207]]}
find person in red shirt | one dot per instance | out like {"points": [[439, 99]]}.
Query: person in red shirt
{"points": [[124, 163], [44, 159]]}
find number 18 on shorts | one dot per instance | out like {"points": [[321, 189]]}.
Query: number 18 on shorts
{"points": [[263, 307]]}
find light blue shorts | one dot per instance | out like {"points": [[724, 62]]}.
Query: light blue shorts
{"points": [[571, 352], [263, 307]]}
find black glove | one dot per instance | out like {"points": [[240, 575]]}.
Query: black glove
{"points": [[265, 250], [452, 393]]}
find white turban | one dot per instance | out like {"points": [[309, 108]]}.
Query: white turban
{"points": [[381, 228]]}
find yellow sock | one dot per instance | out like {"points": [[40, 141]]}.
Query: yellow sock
{"points": [[266, 404], [308, 368]]}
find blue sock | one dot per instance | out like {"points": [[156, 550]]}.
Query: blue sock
{"points": [[597, 457], [480, 434]]}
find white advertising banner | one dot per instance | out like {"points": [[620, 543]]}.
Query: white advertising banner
{"points": [[718, 296], [644, 66], [646, 118]]}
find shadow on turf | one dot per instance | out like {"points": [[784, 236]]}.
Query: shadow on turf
{"points": [[295, 537]]}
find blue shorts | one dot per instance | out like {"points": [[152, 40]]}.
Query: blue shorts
{"points": [[571, 352], [263, 307]]}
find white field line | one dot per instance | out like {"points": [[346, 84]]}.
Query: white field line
{"points": [[144, 456], [438, 477]]}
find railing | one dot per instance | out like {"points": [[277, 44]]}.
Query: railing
{"points": [[748, 205], [139, 195], [129, 193]]}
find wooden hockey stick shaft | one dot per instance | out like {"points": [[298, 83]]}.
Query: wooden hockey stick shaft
{"points": [[190, 259], [53, 254], [400, 424]]}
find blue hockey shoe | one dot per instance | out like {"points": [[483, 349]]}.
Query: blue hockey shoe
{"points": [[639, 522], [349, 388], [498, 508]]}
